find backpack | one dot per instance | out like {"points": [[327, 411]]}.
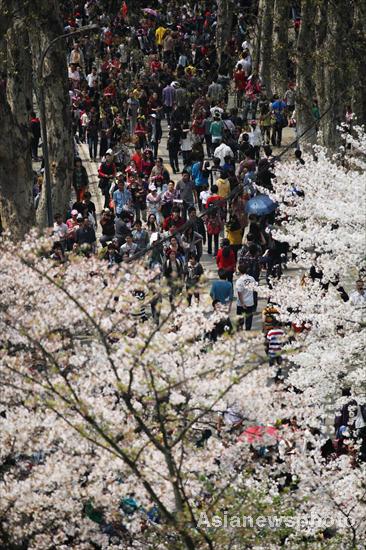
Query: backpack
{"points": [[252, 265], [213, 221], [269, 314], [280, 116]]}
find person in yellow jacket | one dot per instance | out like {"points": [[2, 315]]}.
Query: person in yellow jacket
{"points": [[159, 36], [234, 233], [224, 185]]}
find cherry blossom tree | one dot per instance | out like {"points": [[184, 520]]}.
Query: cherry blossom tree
{"points": [[109, 432], [101, 411]]}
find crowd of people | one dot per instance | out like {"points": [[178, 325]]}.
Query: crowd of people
{"points": [[152, 72], [150, 85], [151, 76]]}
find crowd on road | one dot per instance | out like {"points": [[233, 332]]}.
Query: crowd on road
{"points": [[150, 71], [157, 69], [153, 75]]}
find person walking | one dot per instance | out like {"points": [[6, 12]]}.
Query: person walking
{"points": [[193, 274], [245, 298], [225, 259]]}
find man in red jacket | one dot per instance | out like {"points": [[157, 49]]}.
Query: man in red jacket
{"points": [[174, 221]]}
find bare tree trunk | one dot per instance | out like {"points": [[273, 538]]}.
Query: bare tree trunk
{"points": [[57, 107], [305, 87], [266, 9], [223, 26], [333, 78], [357, 45], [257, 39], [280, 46], [16, 177]]}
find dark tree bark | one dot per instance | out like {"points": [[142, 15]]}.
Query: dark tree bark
{"points": [[16, 178], [223, 26], [280, 46], [57, 106], [266, 11], [357, 44], [333, 67], [305, 87], [257, 39]]}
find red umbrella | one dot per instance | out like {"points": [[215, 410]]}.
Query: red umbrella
{"points": [[260, 434]]}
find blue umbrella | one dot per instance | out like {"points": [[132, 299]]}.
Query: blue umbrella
{"points": [[261, 205]]}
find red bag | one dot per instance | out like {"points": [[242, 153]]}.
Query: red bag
{"points": [[214, 224]]}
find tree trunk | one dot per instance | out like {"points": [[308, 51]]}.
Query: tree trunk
{"points": [[57, 101], [16, 177], [280, 46], [223, 26], [333, 80], [305, 88], [266, 10], [257, 39], [357, 45]]}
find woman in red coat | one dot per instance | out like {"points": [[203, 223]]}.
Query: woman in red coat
{"points": [[225, 259]]}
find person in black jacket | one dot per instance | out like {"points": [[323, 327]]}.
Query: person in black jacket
{"points": [[122, 228], [197, 223], [173, 146], [80, 180], [154, 133], [264, 175], [106, 173], [193, 273]]}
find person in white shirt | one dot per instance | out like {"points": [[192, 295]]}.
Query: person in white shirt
{"points": [[92, 79], [358, 296], [223, 151], [245, 297], [246, 45], [255, 138], [216, 109], [123, 52], [84, 120], [74, 76], [246, 63], [60, 230], [186, 145], [77, 56], [204, 195]]}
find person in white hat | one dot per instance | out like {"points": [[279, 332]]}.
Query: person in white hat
{"points": [[153, 202]]}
